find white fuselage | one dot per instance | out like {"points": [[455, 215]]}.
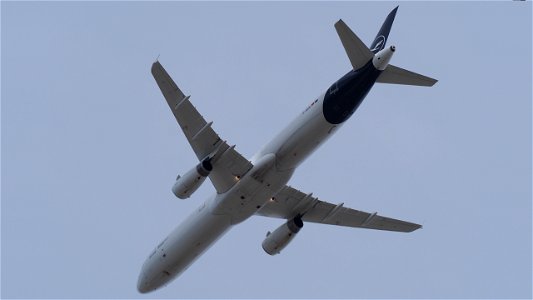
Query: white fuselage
{"points": [[273, 166], [275, 163]]}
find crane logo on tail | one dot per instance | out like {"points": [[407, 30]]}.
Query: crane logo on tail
{"points": [[379, 44]]}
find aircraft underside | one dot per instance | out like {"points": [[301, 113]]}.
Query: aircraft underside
{"points": [[258, 186]]}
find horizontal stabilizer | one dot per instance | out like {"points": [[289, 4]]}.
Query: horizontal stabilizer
{"points": [[396, 75], [357, 51], [205, 142]]}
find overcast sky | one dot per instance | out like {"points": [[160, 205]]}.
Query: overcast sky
{"points": [[90, 149]]}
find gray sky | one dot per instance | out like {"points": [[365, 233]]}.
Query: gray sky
{"points": [[90, 149]]}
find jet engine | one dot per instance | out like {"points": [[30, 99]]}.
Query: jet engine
{"points": [[187, 184], [281, 237]]}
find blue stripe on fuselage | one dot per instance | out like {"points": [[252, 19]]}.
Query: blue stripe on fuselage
{"points": [[345, 95]]}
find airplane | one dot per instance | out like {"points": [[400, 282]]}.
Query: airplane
{"points": [[258, 186]]}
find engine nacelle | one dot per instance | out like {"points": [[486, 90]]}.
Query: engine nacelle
{"points": [[187, 184], [281, 237]]}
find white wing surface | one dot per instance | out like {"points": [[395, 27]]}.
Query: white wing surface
{"points": [[290, 202], [205, 142]]}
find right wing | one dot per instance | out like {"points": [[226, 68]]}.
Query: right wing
{"points": [[290, 202], [227, 163]]}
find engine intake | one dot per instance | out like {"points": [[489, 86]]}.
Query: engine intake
{"points": [[282, 236], [187, 184]]}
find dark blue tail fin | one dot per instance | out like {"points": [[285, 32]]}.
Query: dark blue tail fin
{"points": [[383, 34]]}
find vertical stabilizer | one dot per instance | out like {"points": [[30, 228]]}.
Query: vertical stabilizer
{"points": [[383, 34]]}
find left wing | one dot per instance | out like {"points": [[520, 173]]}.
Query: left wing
{"points": [[228, 164], [290, 202]]}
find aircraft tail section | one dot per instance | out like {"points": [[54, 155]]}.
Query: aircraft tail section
{"points": [[356, 50], [383, 34], [359, 54]]}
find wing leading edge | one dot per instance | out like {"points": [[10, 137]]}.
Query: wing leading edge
{"points": [[205, 142], [290, 202]]}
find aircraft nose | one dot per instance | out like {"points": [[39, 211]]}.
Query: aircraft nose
{"points": [[142, 284], [146, 284]]}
